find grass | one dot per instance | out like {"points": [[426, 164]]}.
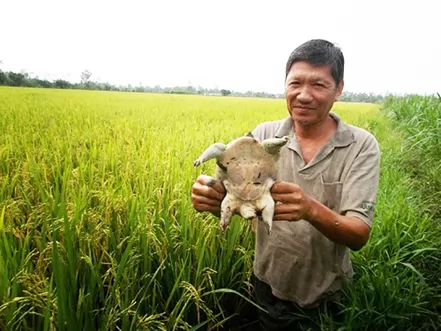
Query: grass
{"points": [[97, 231], [397, 283], [420, 121]]}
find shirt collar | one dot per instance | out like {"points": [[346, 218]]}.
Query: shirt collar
{"points": [[342, 137]]}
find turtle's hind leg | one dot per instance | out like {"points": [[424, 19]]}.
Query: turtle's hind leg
{"points": [[228, 209], [266, 204]]}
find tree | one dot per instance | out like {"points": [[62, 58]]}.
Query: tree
{"points": [[3, 78], [85, 77], [225, 92], [43, 83], [61, 83], [16, 79]]}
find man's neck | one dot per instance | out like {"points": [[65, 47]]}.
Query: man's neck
{"points": [[322, 130]]}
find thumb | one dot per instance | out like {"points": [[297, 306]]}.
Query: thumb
{"points": [[211, 182]]}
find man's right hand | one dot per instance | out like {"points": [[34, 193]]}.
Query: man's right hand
{"points": [[207, 195]]}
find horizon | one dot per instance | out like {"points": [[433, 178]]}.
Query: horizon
{"points": [[389, 47]]}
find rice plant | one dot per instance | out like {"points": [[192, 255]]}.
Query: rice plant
{"points": [[97, 231]]}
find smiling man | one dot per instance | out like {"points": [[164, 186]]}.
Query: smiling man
{"points": [[325, 193]]}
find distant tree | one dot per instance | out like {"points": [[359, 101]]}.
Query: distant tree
{"points": [[225, 92], [24, 79], [106, 87], [16, 79], [85, 77], [190, 89], [139, 88], [3, 78], [60, 83], [44, 83]]}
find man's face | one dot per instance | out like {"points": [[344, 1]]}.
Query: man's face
{"points": [[310, 93]]}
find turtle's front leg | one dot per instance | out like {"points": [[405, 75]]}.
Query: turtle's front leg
{"points": [[213, 151], [273, 145]]}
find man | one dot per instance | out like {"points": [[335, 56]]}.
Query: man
{"points": [[325, 193]]}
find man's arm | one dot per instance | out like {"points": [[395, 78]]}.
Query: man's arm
{"points": [[350, 227], [350, 231], [296, 205]]}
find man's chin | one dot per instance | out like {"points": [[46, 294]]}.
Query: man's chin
{"points": [[302, 121]]}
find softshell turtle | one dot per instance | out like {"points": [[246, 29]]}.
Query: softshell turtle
{"points": [[248, 168]]}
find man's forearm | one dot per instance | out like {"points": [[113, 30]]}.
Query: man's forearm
{"points": [[344, 230]]}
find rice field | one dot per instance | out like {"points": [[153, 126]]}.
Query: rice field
{"points": [[97, 231]]}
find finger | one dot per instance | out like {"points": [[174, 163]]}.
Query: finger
{"points": [[285, 217], [286, 209], [281, 187], [206, 191], [199, 199], [207, 208], [284, 198], [211, 182]]}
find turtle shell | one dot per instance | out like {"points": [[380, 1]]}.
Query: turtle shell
{"points": [[246, 165]]}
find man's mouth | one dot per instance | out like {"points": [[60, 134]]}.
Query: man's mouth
{"points": [[302, 109]]}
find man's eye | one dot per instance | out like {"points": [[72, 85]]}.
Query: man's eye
{"points": [[295, 83]]}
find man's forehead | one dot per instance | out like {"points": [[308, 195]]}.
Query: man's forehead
{"points": [[304, 69]]}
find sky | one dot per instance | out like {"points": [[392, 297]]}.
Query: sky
{"points": [[389, 46]]}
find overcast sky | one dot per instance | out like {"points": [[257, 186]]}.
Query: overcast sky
{"points": [[389, 46]]}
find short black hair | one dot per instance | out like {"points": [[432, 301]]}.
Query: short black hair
{"points": [[319, 52]]}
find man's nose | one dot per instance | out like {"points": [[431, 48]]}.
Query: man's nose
{"points": [[304, 95]]}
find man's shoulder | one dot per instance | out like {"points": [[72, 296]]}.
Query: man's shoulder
{"points": [[353, 132], [270, 129], [362, 135]]}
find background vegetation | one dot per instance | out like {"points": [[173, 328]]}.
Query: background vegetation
{"points": [[86, 83], [97, 231]]}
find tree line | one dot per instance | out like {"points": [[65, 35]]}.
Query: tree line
{"points": [[23, 79]]}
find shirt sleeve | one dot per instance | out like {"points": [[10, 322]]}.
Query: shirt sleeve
{"points": [[266, 130], [259, 132], [359, 191]]}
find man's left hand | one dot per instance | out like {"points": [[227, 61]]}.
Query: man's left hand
{"points": [[295, 204]]}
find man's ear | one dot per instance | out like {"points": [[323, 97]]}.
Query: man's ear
{"points": [[339, 90]]}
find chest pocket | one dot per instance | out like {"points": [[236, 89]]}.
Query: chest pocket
{"points": [[331, 193], [317, 180]]}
